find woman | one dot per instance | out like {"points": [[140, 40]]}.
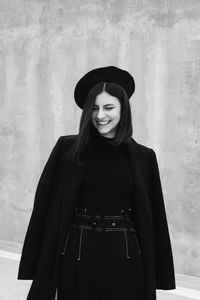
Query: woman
{"points": [[98, 229]]}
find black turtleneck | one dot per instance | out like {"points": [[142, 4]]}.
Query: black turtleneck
{"points": [[107, 182]]}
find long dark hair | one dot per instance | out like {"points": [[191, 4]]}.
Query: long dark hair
{"points": [[124, 128]]}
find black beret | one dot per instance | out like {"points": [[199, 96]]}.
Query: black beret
{"points": [[105, 74]]}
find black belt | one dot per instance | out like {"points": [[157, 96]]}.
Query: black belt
{"points": [[104, 211], [107, 220], [106, 229], [99, 221]]}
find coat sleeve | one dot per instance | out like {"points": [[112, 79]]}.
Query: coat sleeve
{"points": [[164, 266], [35, 231]]}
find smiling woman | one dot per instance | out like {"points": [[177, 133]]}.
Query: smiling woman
{"points": [[98, 229], [106, 109]]}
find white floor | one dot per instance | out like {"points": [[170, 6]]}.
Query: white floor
{"points": [[10, 287]]}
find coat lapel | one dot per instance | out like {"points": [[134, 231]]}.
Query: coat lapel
{"points": [[136, 161], [72, 176], [140, 201]]}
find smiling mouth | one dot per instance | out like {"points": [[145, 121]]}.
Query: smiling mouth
{"points": [[103, 123]]}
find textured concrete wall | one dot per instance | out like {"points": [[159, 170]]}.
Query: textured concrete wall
{"points": [[45, 46]]}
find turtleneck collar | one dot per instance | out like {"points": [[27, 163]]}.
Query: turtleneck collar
{"points": [[102, 141], [103, 138], [97, 138]]}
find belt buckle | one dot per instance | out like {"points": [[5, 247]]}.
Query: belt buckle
{"points": [[95, 223]]}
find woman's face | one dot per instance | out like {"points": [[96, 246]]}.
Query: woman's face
{"points": [[106, 114]]}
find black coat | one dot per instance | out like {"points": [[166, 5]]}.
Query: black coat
{"points": [[54, 203]]}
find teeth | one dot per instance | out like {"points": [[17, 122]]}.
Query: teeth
{"points": [[102, 123]]}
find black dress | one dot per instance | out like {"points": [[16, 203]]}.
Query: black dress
{"points": [[103, 271]]}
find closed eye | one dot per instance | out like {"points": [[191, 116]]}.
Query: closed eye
{"points": [[105, 108]]}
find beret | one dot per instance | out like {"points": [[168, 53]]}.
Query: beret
{"points": [[104, 74]]}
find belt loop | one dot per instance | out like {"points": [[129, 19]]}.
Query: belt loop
{"points": [[65, 245], [80, 241], [126, 241]]}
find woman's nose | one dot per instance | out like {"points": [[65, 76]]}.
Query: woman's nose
{"points": [[100, 114]]}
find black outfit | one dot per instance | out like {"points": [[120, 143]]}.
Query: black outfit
{"points": [[49, 227], [99, 264]]}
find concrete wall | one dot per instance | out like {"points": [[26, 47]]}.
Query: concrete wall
{"points": [[46, 46]]}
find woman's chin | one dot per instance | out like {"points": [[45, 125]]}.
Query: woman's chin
{"points": [[101, 131], [106, 133]]}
